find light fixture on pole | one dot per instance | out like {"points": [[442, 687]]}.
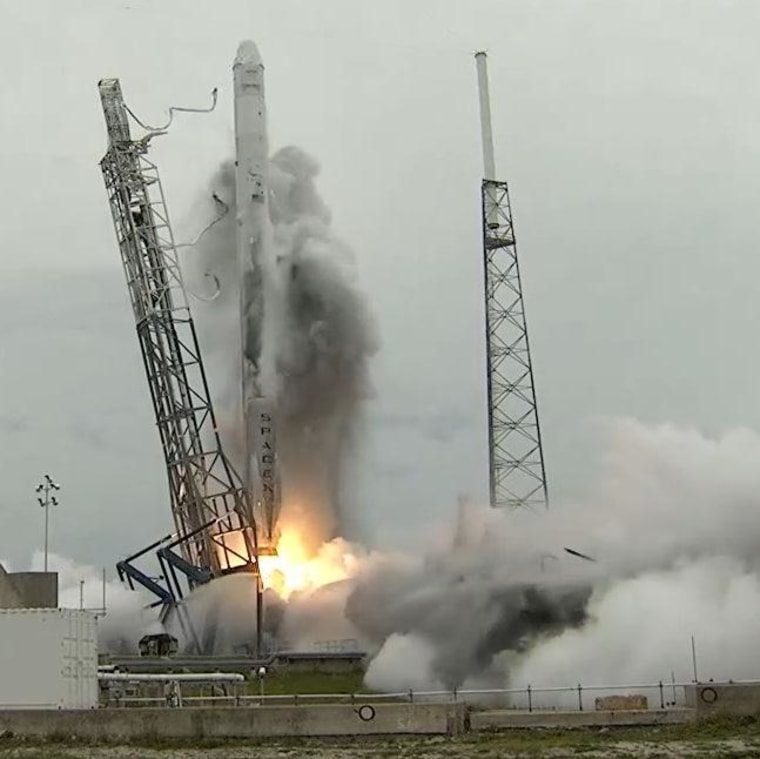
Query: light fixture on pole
{"points": [[46, 487]]}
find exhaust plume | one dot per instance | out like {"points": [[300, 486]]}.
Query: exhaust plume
{"points": [[673, 525], [317, 337], [670, 527]]}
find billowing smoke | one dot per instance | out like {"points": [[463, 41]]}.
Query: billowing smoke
{"points": [[640, 629], [672, 523], [322, 351], [126, 617], [316, 340], [467, 602], [675, 525]]}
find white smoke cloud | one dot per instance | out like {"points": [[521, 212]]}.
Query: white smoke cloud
{"points": [[640, 630], [127, 617], [672, 520], [673, 523], [389, 671]]}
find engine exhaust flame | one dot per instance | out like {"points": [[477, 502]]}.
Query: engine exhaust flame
{"points": [[294, 569]]}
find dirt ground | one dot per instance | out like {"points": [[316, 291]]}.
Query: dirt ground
{"points": [[503, 746]]}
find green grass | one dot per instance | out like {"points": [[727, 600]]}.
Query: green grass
{"points": [[286, 682]]}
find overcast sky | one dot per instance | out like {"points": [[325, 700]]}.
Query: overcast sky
{"points": [[626, 129]]}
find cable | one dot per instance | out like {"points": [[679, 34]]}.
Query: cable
{"points": [[222, 207], [217, 291], [172, 110], [222, 210]]}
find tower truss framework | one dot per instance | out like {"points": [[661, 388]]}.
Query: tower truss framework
{"points": [[517, 476], [215, 531]]}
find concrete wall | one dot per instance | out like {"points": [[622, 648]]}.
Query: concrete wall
{"points": [[717, 699], [28, 590], [9, 598], [37, 590], [507, 719], [238, 722]]}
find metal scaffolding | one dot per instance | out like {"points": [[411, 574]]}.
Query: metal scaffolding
{"points": [[517, 476], [215, 530], [516, 461]]}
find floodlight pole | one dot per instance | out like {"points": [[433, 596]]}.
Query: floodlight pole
{"points": [[47, 486]]}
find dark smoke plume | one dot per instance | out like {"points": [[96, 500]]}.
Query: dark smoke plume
{"points": [[317, 337]]}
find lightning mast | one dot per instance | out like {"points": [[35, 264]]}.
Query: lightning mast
{"points": [[517, 476], [215, 530]]}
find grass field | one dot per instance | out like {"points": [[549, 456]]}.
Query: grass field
{"points": [[727, 738], [288, 682]]}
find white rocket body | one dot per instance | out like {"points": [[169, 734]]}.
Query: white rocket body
{"points": [[253, 236]]}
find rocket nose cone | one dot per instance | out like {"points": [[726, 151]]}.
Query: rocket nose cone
{"points": [[248, 53]]}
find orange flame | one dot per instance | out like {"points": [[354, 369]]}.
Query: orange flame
{"points": [[293, 570]]}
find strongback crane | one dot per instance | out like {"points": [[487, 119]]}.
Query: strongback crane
{"points": [[516, 458], [215, 529]]}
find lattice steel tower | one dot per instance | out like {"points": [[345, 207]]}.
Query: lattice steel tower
{"points": [[215, 530], [517, 476]]}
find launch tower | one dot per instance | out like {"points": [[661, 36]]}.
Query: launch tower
{"points": [[215, 530]]}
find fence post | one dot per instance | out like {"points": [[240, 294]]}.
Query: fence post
{"points": [[530, 699], [662, 696], [454, 692], [580, 697]]}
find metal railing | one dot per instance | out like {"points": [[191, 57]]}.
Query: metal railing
{"points": [[660, 695]]}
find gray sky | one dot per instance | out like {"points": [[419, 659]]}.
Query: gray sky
{"points": [[627, 133]]}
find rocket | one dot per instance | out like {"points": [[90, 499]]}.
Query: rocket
{"points": [[253, 244]]}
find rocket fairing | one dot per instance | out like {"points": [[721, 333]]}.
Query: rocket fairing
{"points": [[252, 238]]}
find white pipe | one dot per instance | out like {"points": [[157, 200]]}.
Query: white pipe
{"points": [[489, 165], [167, 677]]}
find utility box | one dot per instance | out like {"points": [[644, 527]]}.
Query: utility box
{"points": [[48, 659]]}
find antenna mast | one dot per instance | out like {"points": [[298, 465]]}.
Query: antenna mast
{"points": [[517, 476]]}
